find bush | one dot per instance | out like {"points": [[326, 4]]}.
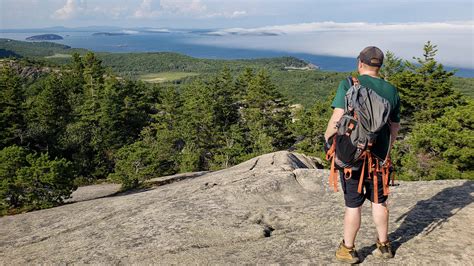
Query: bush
{"points": [[440, 149], [32, 181], [138, 162]]}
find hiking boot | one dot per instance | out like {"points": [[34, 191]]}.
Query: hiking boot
{"points": [[345, 254], [383, 250]]}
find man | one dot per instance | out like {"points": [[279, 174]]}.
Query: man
{"points": [[369, 62]]}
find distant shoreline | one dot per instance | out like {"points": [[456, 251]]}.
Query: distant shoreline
{"points": [[187, 43]]}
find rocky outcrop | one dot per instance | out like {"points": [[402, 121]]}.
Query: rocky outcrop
{"points": [[26, 71], [275, 208]]}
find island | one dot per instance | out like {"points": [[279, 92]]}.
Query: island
{"points": [[109, 34], [44, 37]]}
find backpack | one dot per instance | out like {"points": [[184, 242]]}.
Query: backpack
{"points": [[365, 114]]}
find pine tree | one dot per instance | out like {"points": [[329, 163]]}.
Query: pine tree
{"points": [[392, 66], [441, 149], [197, 123], [48, 114], [267, 116], [425, 88], [12, 98], [310, 126]]}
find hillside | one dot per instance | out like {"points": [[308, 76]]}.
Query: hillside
{"points": [[275, 208], [34, 49], [299, 86]]}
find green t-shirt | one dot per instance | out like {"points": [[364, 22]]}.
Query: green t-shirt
{"points": [[384, 89]]}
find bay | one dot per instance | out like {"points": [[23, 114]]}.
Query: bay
{"points": [[189, 42]]}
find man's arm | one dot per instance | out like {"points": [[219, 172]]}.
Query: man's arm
{"points": [[394, 128], [332, 129]]}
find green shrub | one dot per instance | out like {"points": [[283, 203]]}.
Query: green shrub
{"points": [[138, 162], [32, 181], [440, 149]]}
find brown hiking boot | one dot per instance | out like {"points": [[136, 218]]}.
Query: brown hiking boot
{"points": [[345, 254], [383, 250]]}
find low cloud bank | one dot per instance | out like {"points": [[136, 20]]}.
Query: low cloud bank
{"points": [[454, 39]]}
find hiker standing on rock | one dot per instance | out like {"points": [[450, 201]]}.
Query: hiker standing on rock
{"points": [[359, 136]]}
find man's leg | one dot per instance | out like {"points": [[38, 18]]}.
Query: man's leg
{"points": [[380, 216], [352, 215], [351, 225]]}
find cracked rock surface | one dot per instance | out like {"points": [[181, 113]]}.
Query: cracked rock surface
{"points": [[275, 208]]}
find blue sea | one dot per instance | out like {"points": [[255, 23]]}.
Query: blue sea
{"points": [[189, 42]]}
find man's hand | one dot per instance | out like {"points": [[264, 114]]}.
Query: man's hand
{"points": [[327, 146], [394, 128]]}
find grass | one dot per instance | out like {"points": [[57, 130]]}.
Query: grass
{"points": [[464, 85], [58, 56], [165, 76]]}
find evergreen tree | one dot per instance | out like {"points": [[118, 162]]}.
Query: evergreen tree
{"points": [[228, 140], [392, 66], [12, 98], [197, 123], [48, 114], [425, 88], [267, 116], [309, 127], [32, 181], [441, 149]]}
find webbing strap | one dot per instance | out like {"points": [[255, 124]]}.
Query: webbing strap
{"points": [[371, 170], [385, 173], [376, 187], [361, 179], [333, 174]]}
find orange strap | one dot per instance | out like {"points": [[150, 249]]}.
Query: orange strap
{"points": [[333, 175], [361, 179], [331, 150], [370, 165], [385, 173]]}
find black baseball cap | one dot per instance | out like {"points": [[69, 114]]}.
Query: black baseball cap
{"points": [[371, 56]]}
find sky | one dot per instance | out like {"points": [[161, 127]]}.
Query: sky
{"points": [[225, 13], [310, 26]]}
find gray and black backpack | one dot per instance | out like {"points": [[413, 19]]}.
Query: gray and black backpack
{"points": [[365, 114]]}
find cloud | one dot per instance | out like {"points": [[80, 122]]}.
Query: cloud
{"points": [[454, 39], [234, 14], [331, 26], [189, 8], [169, 7], [115, 12], [145, 10], [183, 6], [71, 9]]}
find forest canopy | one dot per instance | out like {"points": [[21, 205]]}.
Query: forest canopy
{"points": [[76, 123]]}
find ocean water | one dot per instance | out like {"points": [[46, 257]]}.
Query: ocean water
{"points": [[192, 43]]}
